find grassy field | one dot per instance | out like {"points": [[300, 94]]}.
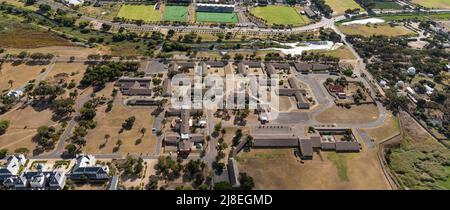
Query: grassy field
{"points": [[176, 13], [327, 170], [342, 52], [20, 75], [14, 34], [213, 17], [433, 16], [441, 4], [356, 114], [105, 11], [378, 29], [390, 127], [386, 5], [339, 6], [23, 127], [419, 162], [111, 123], [279, 15], [74, 71], [139, 12]]}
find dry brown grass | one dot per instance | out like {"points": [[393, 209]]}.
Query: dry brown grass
{"points": [[24, 123], [342, 53], [18, 35], [60, 51], [370, 30], [111, 122], [20, 75], [286, 103], [77, 69], [356, 114], [388, 129], [279, 169]]}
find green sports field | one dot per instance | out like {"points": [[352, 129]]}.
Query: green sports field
{"points": [[380, 4], [440, 4], [339, 6], [278, 15], [139, 12], [217, 17], [176, 13]]}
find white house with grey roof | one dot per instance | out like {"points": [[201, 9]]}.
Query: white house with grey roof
{"points": [[86, 167], [12, 167]]}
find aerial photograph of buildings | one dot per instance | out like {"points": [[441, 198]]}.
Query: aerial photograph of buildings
{"points": [[224, 95]]}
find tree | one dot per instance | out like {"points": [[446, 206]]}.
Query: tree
{"points": [[222, 186], [143, 130], [217, 127], [10, 82], [3, 153], [246, 181], [153, 182], [128, 124], [394, 101], [4, 125], [22, 150], [63, 106], [71, 149], [119, 142], [45, 8], [80, 141]]}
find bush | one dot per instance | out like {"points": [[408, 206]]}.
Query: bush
{"points": [[4, 124], [3, 153]]}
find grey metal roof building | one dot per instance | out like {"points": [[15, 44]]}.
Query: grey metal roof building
{"points": [[233, 173], [134, 86], [306, 149], [225, 8]]}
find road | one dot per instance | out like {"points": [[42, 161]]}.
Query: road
{"points": [[59, 150], [307, 119]]}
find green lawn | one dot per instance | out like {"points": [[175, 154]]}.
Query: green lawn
{"points": [[139, 12], [441, 4], [176, 13], [380, 4], [433, 16], [339, 6], [215, 17], [278, 15]]}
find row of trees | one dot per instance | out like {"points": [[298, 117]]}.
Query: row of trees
{"points": [[99, 75]]}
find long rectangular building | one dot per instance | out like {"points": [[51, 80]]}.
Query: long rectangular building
{"points": [[223, 8]]}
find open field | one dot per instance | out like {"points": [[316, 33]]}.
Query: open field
{"points": [[417, 16], [22, 5], [326, 171], [342, 53], [20, 75], [419, 162], [24, 124], [176, 13], [386, 5], [279, 15], [375, 29], [339, 6], [356, 114], [111, 123], [438, 4], [64, 52], [390, 127], [216, 17], [19, 35], [71, 71], [103, 11], [139, 12]]}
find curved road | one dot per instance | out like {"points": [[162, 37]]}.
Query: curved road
{"points": [[322, 97]]}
